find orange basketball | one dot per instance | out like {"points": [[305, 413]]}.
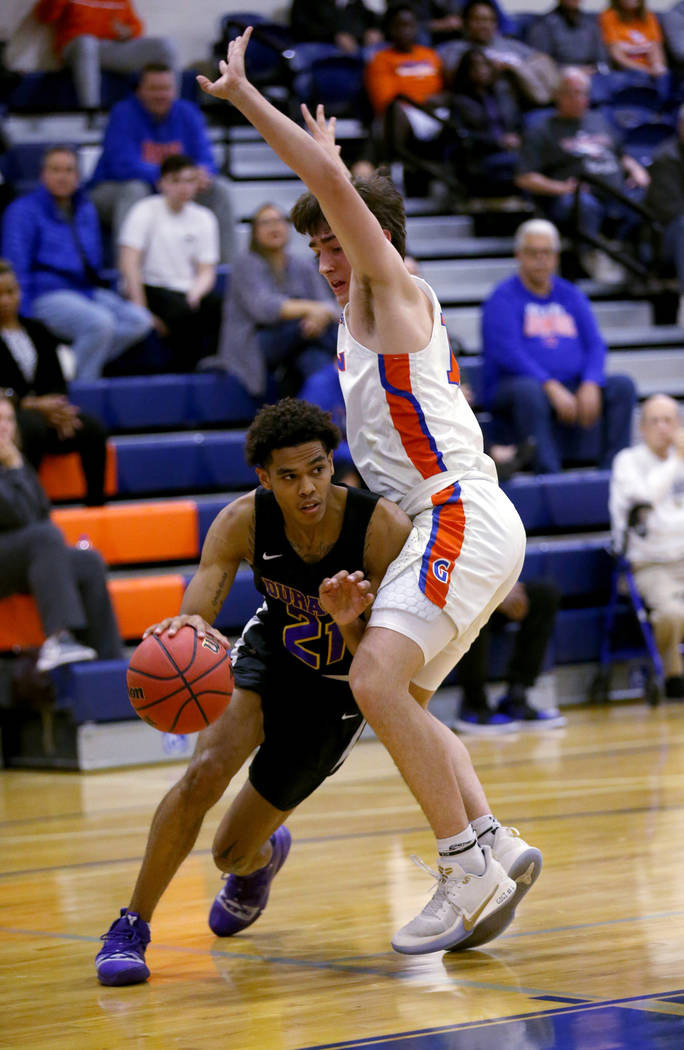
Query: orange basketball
{"points": [[179, 684]]}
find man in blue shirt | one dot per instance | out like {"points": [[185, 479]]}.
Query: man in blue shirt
{"points": [[544, 358], [142, 131], [52, 238]]}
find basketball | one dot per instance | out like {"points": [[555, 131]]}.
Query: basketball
{"points": [[179, 684]]}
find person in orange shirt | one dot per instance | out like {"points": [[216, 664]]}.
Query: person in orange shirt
{"points": [[411, 70], [633, 37], [91, 35]]}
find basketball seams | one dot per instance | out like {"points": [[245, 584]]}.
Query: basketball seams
{"points": [[187, 689]]}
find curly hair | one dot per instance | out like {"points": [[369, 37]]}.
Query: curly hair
{"points": [[380, 196], [287, 423]]}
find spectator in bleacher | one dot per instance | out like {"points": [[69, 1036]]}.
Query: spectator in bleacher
{"points": [[144, 129], [52, 239], [485, 106], [571, 37], [280, 319], [168, 252], [48, 423], [405, 67], [68, 583], [558, 151], [533, 74], [92, 35], [544, 356], [533, 606], [633, 37], [651, 474], [350, 26], [665, 198]]}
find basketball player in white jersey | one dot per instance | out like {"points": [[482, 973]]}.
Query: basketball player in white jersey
{"points": [[414, 439]]}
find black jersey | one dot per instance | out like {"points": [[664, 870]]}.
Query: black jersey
{"points": [[293, 616]]}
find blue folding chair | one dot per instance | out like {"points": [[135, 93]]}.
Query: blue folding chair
{"points": [[618, 642]]}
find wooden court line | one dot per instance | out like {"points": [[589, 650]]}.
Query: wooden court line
{"points": [[343, 837], [489, 1022]]}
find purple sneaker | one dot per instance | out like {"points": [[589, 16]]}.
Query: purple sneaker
{"points": [[121, 960], [242, 899]]}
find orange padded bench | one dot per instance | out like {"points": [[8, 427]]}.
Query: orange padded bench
{"points": [[138, 602], [62, 476], [128, 534]]}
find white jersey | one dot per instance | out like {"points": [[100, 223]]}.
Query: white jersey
{"points": [[410, 430]]}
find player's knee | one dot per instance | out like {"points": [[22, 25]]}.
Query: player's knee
{"points": [[368, 686]]}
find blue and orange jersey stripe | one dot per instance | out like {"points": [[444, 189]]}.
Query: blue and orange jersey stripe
{"points": [[444, 545], [407, 415]]}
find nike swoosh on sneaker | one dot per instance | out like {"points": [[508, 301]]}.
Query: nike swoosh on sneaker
{"points": [[470, 920], [267, 557]]}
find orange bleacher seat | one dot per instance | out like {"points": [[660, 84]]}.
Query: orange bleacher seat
{"points": [[167, 530], [62, 476], [138, 602], [145, 600]]}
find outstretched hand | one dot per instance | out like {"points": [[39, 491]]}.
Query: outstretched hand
{"points": [[322, 129], [232, 70], [345, 596]]}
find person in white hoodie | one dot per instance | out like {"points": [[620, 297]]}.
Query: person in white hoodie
{"points": [[649, 479]]}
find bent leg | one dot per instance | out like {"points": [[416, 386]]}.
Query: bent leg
{"points": [[221, 750], [82, 55], [88, 326], [619, 397], [523, 401]]}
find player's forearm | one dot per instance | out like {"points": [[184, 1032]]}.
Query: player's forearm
{"points": [[204, 281], [352, 633], [130, 269]]}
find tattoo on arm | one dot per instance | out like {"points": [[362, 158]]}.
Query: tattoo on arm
{"points": [[217, 601], [251, 538]]}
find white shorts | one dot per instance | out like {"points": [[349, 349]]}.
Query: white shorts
{"points": [[458, 564]]}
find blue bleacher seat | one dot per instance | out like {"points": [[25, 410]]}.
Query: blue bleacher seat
{"points": [[181, 463], [152, 402]]}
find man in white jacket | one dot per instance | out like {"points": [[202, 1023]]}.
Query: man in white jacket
{"points": [[651, 476]]}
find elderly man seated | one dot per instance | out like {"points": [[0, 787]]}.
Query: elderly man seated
{"points": [[651, 474], [544, 358]]}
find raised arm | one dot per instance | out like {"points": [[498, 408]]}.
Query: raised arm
{"points": [[313, 156]]}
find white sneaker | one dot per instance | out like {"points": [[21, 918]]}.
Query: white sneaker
{"points": [[460, 905], [521, 862], [61, 649]]}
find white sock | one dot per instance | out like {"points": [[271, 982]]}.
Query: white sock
{"points": [[484, 827], [464, 850]]}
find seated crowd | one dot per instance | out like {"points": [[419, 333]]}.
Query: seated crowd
{"points": [[449, 82]]}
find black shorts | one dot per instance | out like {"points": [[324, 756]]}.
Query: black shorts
{"points": [[310, 722]]}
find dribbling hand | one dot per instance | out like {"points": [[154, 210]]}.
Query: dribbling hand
{"points": [[173, 624]]}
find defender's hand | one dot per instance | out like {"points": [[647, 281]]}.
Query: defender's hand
{"points": [[173, 624], [345, 596], [232, 70]]}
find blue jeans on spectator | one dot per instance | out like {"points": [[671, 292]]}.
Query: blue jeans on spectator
{"points": [[99, 329], [524, 404], [593, 211], [291, 357]]}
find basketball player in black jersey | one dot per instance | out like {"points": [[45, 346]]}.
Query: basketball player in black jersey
{"points": [[312, 546]]}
